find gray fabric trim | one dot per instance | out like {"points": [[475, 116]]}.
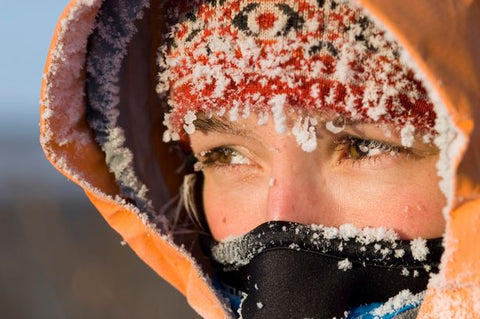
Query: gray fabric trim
{"points": [[409, 314], [124, 110], [107, 48], [118, 108]]}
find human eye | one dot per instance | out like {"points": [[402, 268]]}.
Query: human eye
{"points": [[360, 149], [220, 157]]}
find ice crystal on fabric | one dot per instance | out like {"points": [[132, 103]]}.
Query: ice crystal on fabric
{"points": [[399, 253], [279, 118], [103, 67], [356, 72], [240, 250], [419, 249], [401, 300], [407, 135], [344, 264]]}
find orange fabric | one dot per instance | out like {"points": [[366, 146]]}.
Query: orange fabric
{"points": [[82, 161], [446, 52], [90, 160], [457, 296], [455, 303], [161, 255]]}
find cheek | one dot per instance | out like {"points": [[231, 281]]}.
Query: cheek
{"points": [[412, 213], [420, 215], [411, 206], [232, 211], [406, 199]]}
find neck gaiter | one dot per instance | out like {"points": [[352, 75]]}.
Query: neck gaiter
{"points": [[289, 270]]}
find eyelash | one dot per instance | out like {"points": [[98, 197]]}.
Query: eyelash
{"points": [[365, 149], [344, 144], [212, 158]]}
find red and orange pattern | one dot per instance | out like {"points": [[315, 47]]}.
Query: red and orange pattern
{"points": [[233, 57]]}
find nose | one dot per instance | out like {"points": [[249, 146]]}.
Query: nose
{"points": [[296, 189]]}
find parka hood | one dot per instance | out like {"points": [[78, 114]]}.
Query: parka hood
{"points": [[134, 185]]}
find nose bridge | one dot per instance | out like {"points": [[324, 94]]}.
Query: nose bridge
{"points": [[291, 189]]}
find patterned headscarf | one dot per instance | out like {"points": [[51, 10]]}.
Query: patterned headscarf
{"points": [[272, 57]]}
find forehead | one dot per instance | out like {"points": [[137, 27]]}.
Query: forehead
{"points": [[250, 126], [308, 131]]}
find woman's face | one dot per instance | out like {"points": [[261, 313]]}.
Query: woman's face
{"points": [[361, 175]]}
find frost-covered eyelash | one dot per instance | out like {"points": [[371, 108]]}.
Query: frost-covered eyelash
{"points": [[370, 148], [211, 157]]}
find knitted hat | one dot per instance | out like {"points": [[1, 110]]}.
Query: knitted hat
{"points": [[233, 57]]}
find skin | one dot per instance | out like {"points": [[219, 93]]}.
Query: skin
{"points": [[261, 176]]}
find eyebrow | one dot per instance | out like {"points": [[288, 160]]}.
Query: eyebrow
{"points": [[222, 126]]}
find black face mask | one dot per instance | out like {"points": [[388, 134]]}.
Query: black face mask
{"points": [[289, 270]]}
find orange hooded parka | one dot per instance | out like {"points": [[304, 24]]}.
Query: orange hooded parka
{"points": [[440, 41]]}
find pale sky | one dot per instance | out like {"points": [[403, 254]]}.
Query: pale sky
{"points": [[26, 28]]}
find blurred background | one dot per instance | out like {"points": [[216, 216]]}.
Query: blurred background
{"points": [[58, 258]]}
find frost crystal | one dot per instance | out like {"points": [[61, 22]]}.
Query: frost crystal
{"points": [[262, 118], [233, 113], [189, 117], [239, 310], [304, 132], [333, 128], [238, 251], [402, 299], [376, 112], [385, 252], [189, 128], [221, 111], [277, 103], [210, 65], [348, 231], [405, 272], [345, 264], [167, 136], [407, 135], [419, 249], [198, 166], [239, 159], [330, 232], [314, 91], [271, 182], [399, 253]]}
